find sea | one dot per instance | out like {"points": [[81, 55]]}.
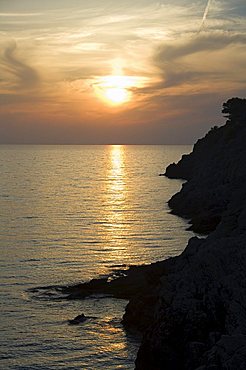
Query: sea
{"points": [[69, 214]]}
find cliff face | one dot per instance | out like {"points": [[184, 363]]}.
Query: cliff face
{"points": [[214, 170], [198, 320]]}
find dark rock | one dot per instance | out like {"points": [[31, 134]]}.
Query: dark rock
{"points": [[204, 223], [134, 281], [78, 320]]}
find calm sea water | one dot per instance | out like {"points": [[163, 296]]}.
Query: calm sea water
{"points": [[68, 214]]}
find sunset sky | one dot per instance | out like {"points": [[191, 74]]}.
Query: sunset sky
{"points": [[119, 71]]}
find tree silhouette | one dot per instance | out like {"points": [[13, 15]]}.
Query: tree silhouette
{"points": [[235, 109]]}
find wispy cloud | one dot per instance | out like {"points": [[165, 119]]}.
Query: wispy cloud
{"points": [[20, 14], [25, 75], [180, 63]]}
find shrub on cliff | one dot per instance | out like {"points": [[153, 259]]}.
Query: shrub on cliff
{"points": [[235, 110]]}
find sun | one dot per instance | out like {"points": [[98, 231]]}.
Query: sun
{"points": [[117, 95], [115, 90]]}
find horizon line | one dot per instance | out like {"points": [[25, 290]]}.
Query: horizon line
{"points": [[90, 144]]}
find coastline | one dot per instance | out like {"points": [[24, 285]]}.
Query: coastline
{"points": [[199, 320], [191, 308]]}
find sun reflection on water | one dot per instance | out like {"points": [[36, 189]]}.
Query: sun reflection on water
{"points": [[117, 172], [116, 194]]}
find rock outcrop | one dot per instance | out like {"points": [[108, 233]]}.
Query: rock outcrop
{"points": [[197, 311], [214, 170]]}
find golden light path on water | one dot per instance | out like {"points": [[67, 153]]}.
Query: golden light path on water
{"points": [[116, 197]]}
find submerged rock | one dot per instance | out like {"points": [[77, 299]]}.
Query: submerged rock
{"points": [[78, 320]]}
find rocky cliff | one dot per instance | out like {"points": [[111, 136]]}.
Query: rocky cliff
{"points": [[195, 318]]}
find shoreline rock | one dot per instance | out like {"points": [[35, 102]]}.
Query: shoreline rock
{"points": [[126, 284]]}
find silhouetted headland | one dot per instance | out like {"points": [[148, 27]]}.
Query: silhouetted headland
{"points": [[192, 308], [199, 319]]}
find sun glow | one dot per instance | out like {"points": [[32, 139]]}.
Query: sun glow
{"points": [[115, 90], [117, 95]]}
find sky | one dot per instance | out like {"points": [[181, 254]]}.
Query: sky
{"points": [[118, 72]]}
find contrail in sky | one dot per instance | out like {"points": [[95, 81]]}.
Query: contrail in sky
{"points": [[205, 15]]}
